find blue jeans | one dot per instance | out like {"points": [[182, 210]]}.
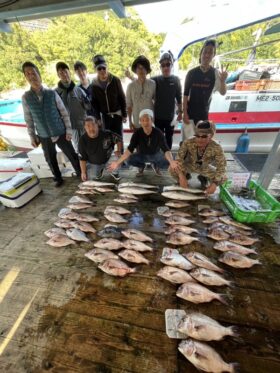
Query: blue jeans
{"points": [[139, 160], [93, 170]]}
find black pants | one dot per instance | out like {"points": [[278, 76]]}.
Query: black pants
{"points": [[167, 129], [113, 123], [50, 154]]}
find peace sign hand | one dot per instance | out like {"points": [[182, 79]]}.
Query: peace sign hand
{"points": [[223, 74]]}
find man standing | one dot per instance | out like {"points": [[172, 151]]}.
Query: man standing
{"points": [[151, 147], [95, 149], [108, 98], [74, 99], [168, 94], [85, 84], [140, 92], [47, 121]]}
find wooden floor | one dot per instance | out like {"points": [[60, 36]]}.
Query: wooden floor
{"points": [[58, 313]]}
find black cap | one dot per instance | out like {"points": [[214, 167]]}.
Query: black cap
{"points": [[141, 60], [99, 60]]}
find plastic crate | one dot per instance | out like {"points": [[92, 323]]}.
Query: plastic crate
{"points": [[244, 216], [250, 85]]}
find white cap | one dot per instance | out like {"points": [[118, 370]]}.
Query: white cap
{"points": [[146, 112]]}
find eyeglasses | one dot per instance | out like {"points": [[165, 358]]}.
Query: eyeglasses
{"points": [[168, 64], [101, 68], [201, 136]]}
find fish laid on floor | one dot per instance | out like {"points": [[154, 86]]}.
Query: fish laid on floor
{"points": [[103, 189], [114, 218], [177, 204], [172, 257], [136, 245], [208, 277], [180, 238], [85, 192], [174, 275], [210, 220], [172, 188], [204, 357], [218, 234], [80, 199], [178, 220], [77, 235], [79, 206], [196, 293], [66, 213], [54, 231], [109, 244], [84, 226], [182, 196], [100, 255], [137, 185], [243, 240], [229, 221], [95, 183], [116, 267], [87, 218], [137, 235], [237, 260], [130, 196], [201, 260], [180, 228], [64, 223], [110, 232], [231, 246], [133, 256], [60, 240], [167, 212], [117, 210], [204, 328], [135, 190], [230, 229], [125, 200], [210, 212]]}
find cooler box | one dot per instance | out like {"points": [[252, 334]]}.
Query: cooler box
{"points": [[19, 190], [11, 166]]}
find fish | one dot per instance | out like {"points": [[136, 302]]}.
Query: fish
{"points": [[230, 229], [178, 220], [210, 212], [109, 244], [110, 232], [133, 256], [210, 220], [85, 192], [54, 231], [125, 200], [79, 206], [66, 213], [208, 277], [180, 238], [64, 223], [174, 275], [136, 245], [135, 234], [204, 357], [204, 328], [95, 183], [167, 212], [117, 210], [60, 240], [114, 218], [84, 226], [177, 204], [103, 189], [137, 185], [196, 293], [237, 260], [100, 255], [130, 196], [243, 240], [135, 190], [201, 260], [180, 228], [172, 188], [182, 196], [218, 234], [80, 199], [229, 221], [87, 218], [116, 267], [231, 246], [77, 235], [171, 257]]}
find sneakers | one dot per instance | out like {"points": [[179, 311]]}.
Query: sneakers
{"points": [[116, 176], [203, 180], [100, 174], [58, 183], [156, 170], [140, 171]]}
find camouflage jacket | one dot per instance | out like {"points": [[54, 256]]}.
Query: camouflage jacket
{"points": [[212, 164]]}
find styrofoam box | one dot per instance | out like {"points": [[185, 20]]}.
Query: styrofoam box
{"points": [[11, 166], [43, 171], [37, 157]]}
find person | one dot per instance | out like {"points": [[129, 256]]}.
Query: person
{"points": [[202, 155], [140, 92], [95, 149], [108, 98], [47, 121], [85, 84], [151, 147], [168, 94], [74, 99], [200, 82]]}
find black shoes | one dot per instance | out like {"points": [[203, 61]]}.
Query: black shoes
{"points": [[58, 183], [100, 174]]}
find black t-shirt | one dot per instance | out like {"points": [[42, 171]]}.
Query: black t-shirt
{"points": [[199, 86], [168, 89], [148, 144], [98, 150]]}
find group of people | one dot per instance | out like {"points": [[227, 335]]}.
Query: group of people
{"points": [[86, 120]]}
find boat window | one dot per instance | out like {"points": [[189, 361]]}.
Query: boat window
{"points": [[238, 106]]}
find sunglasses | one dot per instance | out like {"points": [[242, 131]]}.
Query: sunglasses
{"points": [[201, 136], [168, 64], [101, 68]]}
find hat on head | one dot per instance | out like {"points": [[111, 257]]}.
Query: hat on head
{"points": [[146, 112], [205, 127], [99, 60], [141, 60], [166, 56]]}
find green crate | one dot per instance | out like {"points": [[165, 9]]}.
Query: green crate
{"points": [[245, 216]]}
